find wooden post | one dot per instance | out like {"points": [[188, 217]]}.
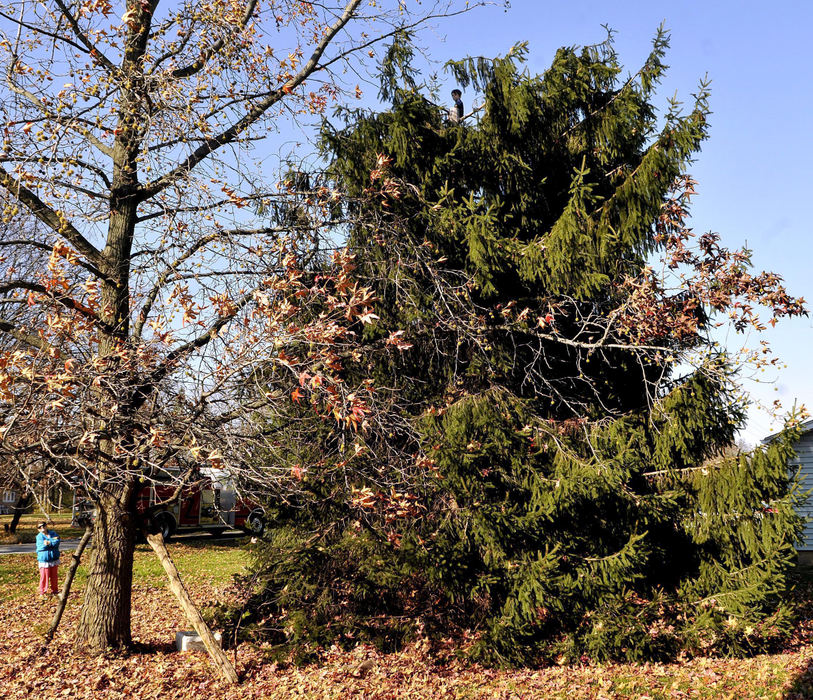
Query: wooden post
{"points": [[66, 587], [176, 586]]}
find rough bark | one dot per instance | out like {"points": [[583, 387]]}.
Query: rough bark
{"points": [[66, 587], [105, 619], [176, 586]]}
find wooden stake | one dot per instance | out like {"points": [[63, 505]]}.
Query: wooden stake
{"points": [[176, 586], [66, 587]]}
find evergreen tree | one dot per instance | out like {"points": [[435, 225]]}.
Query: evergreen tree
{"points": [[570, 494]]}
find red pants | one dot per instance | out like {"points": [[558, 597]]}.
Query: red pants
{"points": [[48, 574]]}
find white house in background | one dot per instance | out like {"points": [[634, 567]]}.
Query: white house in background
{"points": [[8, 497], [804, 463]]}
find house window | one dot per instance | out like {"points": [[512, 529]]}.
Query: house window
{"points": [[9, 496]]}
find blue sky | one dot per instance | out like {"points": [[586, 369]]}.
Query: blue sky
{"points": [[754, 172]]}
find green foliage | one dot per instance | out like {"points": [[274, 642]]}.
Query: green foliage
{"points": [[573, 502], [304, 594]]}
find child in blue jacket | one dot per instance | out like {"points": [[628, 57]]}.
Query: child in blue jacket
{"points": [[47, 558]]}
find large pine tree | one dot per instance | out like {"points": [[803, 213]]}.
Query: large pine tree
{"points": [[568, 414]]}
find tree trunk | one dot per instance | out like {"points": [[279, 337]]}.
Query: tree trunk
{"points": [[192, 613], [105, 619], [66, 588], [19, 508]]}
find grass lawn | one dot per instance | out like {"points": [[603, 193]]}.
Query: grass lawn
{"points": [[157, 671], [207, 563], [27, 527]]}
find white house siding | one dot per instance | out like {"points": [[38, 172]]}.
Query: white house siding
{"points": [[8, 497], [804, 463]]}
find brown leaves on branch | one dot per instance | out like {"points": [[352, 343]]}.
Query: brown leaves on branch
{"points": [[168, 298], [92, 397], [707, 280]]}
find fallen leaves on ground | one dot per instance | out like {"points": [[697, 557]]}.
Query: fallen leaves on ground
{"points": [[155, 670]]}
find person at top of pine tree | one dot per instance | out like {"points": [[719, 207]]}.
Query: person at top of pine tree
{"points": [[456, 111]]}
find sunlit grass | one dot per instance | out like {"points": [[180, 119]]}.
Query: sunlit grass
{"points": [[212, 562], [27, 527]]}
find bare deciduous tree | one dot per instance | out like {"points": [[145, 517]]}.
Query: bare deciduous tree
{"points": [[165, 266]]}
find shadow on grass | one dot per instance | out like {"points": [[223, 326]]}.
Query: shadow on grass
{"points": [[208, 541], [802, 688], [200, 540], [802, 582]]}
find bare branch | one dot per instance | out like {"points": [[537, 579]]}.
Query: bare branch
{"points": [[255, 113], [54, 220], [94, 52], [63, 299], [215, 48], [29, 339]]}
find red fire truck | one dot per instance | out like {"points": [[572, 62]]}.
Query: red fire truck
{"points": [[207, 506]]}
